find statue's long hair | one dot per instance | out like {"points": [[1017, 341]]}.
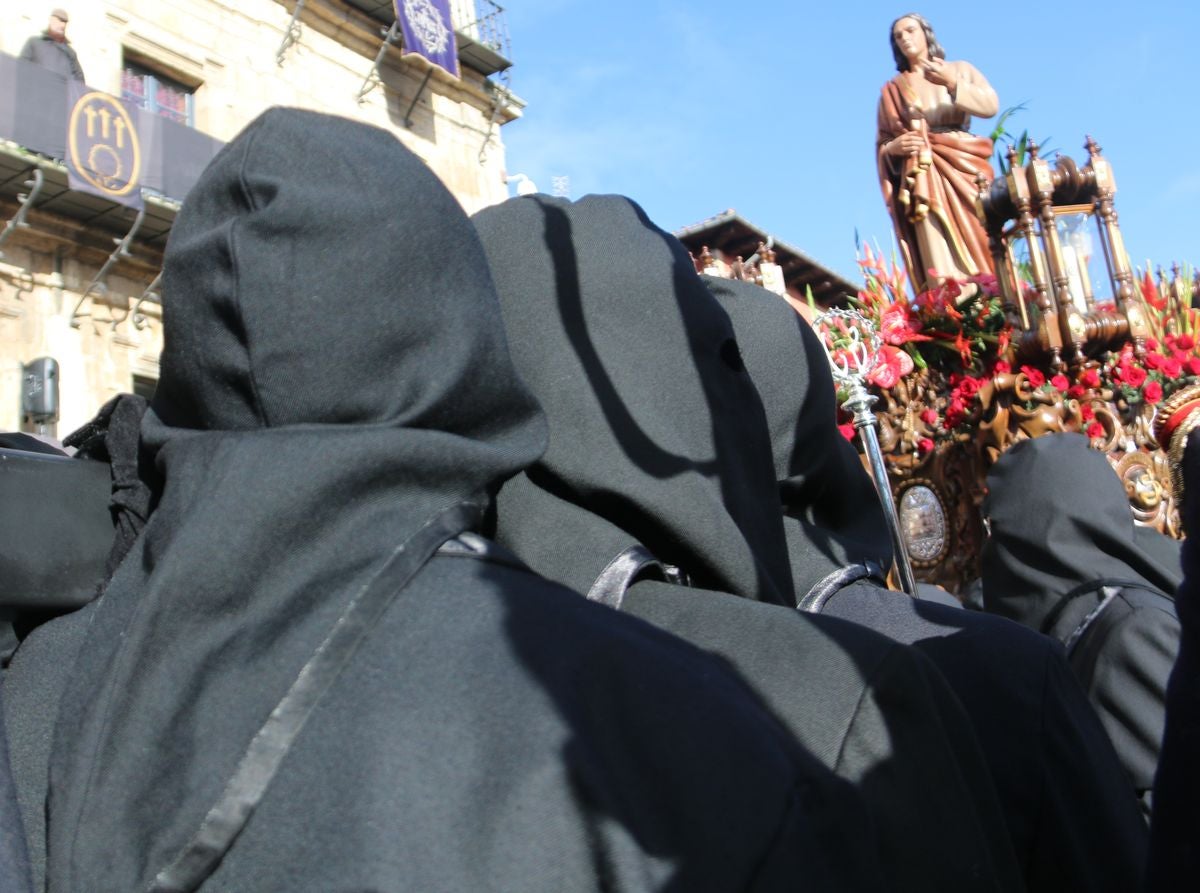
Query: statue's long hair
{"points": [[935, 48]]}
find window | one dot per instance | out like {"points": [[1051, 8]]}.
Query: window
{"points": [[158, 93]]}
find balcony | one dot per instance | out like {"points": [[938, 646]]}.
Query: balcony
{"points": [[479, 25], [33, 137]]}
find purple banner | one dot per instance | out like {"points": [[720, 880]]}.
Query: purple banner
{"points": [[104, 153], [428, 31]]}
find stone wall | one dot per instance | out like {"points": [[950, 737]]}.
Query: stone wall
{"points": [[227, 50]]}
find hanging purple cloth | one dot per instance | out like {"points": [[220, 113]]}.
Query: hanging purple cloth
{"points": [[428, 31]]}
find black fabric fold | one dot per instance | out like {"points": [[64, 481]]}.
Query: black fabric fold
{"points": [[656, 429], [835, 518]]}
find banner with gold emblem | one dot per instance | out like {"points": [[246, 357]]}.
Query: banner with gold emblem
{"points": [[104, 152]]}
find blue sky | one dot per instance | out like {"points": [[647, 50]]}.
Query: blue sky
{"points": [[769, 107]]}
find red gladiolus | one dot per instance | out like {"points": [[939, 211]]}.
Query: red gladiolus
{"points": [[1034, 376], [1060, 382], [898, 326], [924, 444], [929, 416], [1090, 378], [1095, 429], [847, 431], [1150, 293], [1152, 392], [963, 345], [892, 366]]}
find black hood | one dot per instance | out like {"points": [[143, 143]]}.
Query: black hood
{"points": [[656, 433], [832, 514], [334, 381], [1059, 518]]}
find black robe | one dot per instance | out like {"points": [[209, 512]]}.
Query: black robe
{"points": [[1174, 847], [287, 684], [1071, 822], [658, 440], [1061, 528]]}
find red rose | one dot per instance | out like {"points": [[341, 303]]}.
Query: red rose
{"points": [[929, 416], [1095, 429], [1185, 342], [968, 387], [955, 412], [1087, 412], [1133, 376], [1155, 360], [1151, 344], [1193, 366], [1077, 391], [847, 431], [1152, 391], [1090, 378], [924, 445], [1172, 368], [1034, 376], [1001, 367], [1060, 382]]}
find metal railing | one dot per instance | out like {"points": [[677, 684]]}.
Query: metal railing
{"points": [[484, 22]]}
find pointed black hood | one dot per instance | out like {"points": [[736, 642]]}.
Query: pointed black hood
{"points": [[334, 381], [656, 434], [1059, 517], [832, 513]]}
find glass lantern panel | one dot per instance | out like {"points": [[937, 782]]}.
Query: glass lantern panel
{"points": [[1083, 257]]}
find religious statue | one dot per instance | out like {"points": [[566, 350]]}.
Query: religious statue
{"points": [[928, 158]]}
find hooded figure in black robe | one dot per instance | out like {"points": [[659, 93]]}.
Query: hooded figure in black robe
{"points": [[1062, 543], [1174, 844], [288, 685], [1072, 823], [659, 456]]}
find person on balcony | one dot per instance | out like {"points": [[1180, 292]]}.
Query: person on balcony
{"points": [[928, 158], [52, 50]]}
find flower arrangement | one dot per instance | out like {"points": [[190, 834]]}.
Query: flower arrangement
{"points": [[958, 325], [947, 355]]}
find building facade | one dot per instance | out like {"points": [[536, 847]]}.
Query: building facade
{"points": [[78, 271]]}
